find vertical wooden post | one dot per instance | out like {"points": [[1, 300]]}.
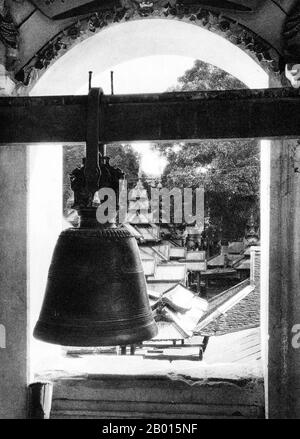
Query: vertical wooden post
{"points": [[284, 280], [40, 400]]}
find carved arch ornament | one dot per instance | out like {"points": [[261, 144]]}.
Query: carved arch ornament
{"points": [[291, 40], [138, 10], [9, 34]]}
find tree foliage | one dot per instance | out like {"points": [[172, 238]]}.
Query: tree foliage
{"points": [[122, 156], [204, 76], [229, 169]]}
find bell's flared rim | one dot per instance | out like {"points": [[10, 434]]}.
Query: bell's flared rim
{"points": [[93, 335]]}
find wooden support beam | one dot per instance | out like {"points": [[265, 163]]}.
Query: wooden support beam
{"points": [[43, 119], [267, 113], [40, 400]]}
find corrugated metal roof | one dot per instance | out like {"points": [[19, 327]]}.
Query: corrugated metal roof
{"points": [[217, 261], [195, 256], [159, 286], [169, 331], [221, 298], [243, 265], [196, 266], [148, 266], [218, 271], [236, 247], [238, 347], [164, 249], [178, 297], [154, 294], [177, 252], [244, 314], [147, 233], [187, 320], [235, 309], [176, 272], [133, 230]]}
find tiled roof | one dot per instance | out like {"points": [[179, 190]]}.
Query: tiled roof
{"points": [[137, 218], [163, 249], [146, 252], [220, 300], [185, 322], [152, 302], [169, 331], [237, 347], [233, 257], [243, 311]]}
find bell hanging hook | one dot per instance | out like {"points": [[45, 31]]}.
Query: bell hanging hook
{"points": [[90, 79]]}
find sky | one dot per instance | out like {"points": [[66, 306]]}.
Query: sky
{"points": [[145, 75], [151, 74]]}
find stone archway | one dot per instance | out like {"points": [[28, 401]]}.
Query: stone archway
{"points": [[88, 27], [126, 41]]}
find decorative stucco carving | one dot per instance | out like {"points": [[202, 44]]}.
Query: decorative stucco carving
{"points": [[137, 10], [292, 73], [291, 36], [8, 35], [291, 40]]}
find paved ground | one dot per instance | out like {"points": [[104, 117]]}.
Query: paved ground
{"points": [[231, 356]]}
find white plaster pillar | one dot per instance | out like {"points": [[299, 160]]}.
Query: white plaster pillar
{"points": [[265, 170], [13, 282], [6, 84], [45, 220]]}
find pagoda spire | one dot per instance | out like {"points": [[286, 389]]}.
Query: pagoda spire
{"points": [[252, 231]]}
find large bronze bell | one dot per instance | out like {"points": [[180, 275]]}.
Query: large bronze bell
{"points": [[96, 292]]}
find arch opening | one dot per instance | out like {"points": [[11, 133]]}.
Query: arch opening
{"points": [[123, 42], [114, 48]]}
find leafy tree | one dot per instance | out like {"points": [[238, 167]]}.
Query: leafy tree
{"points": [[204, 76], [229, 169], [72, 157], [122, 156]]}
